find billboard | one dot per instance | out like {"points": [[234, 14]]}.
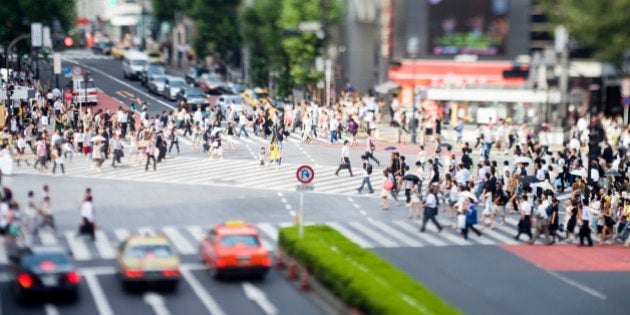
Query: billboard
{"points": [[478, 27]]}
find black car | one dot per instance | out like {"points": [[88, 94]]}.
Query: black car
{"points": [[42, 270], [102, 48]]}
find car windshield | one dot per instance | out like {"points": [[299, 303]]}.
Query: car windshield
{"points": [[247, 240], [194, 92], [59, 259], [156, 70], [90, 85], [177, 83], [137, 62], [159, 79], [212, 77], [155, 250]]}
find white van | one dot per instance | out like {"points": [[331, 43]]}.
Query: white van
{"points": [[79, 89], [133, 64], [235, 102]]}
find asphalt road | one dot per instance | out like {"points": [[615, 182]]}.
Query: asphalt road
{"points": [[190, 193]]}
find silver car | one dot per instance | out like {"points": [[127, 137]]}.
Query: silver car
{"points": [[157, 83], [172, 85]]}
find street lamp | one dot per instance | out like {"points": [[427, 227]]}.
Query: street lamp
{"points": [[413, 46]]}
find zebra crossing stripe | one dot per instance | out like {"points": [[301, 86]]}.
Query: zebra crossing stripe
{"points": [[373, 234], [146, 231], [500, 237], [350, 235], [3, 252], [425, 237], [269, 230], [458, 239], [408, 241], [178, 240], [197, 233], [121, 234], [103, 245], [78, 248], [47, 238]]}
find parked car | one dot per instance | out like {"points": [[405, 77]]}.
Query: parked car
{"points": [[102, 48], [147, 259], [234, 248], [193, 96], [45, 270], [156, 83], [172, 85], [193, 74], [151, 67], [133, 63], [235, 102], [255, 97]]}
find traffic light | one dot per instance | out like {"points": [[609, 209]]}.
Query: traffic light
{"points": [[68, 41]]}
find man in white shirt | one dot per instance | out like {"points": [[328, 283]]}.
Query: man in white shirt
{"points": [[585, 229], [542, 223], [430, 209], [87, 217], [345, 158], [462, 175]]}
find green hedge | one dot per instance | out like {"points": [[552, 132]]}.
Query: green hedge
{"points": [[358, 276]]}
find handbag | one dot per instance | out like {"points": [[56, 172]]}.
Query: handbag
{"points": [[388, 185], [461, 221]]}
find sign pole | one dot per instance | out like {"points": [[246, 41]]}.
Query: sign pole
{"points": [[625, 115], [301, 220]]}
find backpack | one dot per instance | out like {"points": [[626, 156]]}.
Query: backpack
{"points": [[368, 168]]}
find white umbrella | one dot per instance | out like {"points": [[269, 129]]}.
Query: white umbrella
{"points": [[523, 159], [579, 172], [467, 194], [217, 130], [97, 138], [544, 185]]}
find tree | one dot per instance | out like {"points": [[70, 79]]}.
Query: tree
{"points": [[17, 16], [217, 32], [600, 25], [165, 10]]}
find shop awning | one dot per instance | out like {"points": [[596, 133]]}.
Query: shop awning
{"points": [[493, 95], [123, 20]]}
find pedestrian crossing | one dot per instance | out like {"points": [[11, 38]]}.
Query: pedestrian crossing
{"points": [[200, 170], [83, 54], [367, 234]]}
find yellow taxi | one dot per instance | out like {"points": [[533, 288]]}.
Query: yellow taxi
{"points": [[234, 249], [119, 51], [148, 259], [256, 96]]}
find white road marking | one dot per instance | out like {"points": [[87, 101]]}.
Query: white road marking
{"points": [[373, 234], [50, 309], [3, 252], [258, 296], [47, 237], [102, 304], [77, 246], [579, 286], [156, 302], [425, 237], [408, 241], [350, 235], [197, 232], [269, 230], [104, 246], [206, 299], [178, 241], [121, 234]]}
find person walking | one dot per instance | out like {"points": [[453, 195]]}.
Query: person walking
{"points": [[149, 151], [367, 171], [174, 139], [274, 153], [46, 217], [542, 223], [388, 184], [370, 148], [470, 211], [525, 223], [87, 225], [57, 157], [116, 147], [585, 229], [414, 203], [430, 209], [345, 158]]}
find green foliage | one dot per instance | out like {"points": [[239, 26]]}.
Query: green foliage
{"points": [[358, 276], [217, 31], [600, 25], [17, 16], [165, 10]]}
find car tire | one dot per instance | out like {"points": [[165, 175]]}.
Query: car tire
{"points": [[214, 272]]}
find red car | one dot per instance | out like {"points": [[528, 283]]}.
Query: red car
{"points": [[234, 249]]}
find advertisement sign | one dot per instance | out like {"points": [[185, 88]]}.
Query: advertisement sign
{"points": [[477, 27], [36, 34]]}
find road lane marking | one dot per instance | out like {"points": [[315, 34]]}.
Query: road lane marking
{"points": [[50, 309], [260, 298], [206, 299], [408, 241], [78, 248], [102, 304], [47, 238], [156, 302], [179, 241], [269, 230], [579, 286], [121, 234], [197, 232], [425, 237]]}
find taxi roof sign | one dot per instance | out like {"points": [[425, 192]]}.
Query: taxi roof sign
{"points": [[234, 224]]}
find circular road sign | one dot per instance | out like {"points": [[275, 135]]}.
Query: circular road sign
{"points": [[305, 174], [77, 71]]}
